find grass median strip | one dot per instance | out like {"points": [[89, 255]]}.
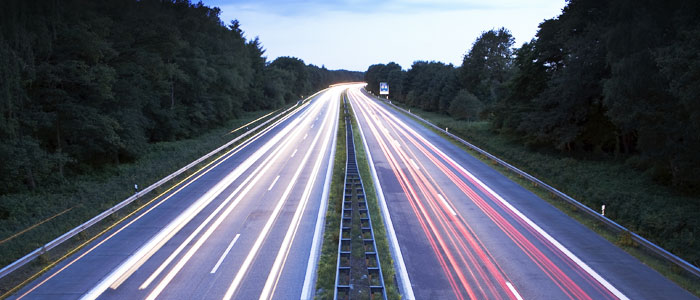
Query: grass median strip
{"points": [[329, 254], [326, 270], [380, 237]]}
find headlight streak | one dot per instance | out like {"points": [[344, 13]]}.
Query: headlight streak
{"points": [[551, 270], [133, 262], [315, 251], [275, 213], [247, 185], [281, 259], [254, 176], [208, 167]]}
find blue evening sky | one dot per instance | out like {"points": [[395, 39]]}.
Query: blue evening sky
{"points": [[354, 34]]}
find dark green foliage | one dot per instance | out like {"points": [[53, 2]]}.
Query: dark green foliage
{"points": [[430, 85], [634, 200], [614, 78], [486, 67], [610, 81], [466, 106], [86, 84], [90, 194], [390, 73]]}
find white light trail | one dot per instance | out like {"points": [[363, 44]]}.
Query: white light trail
{"points": [[268, 225]]}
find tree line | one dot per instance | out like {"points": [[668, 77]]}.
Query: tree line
{"points": [[605, 78], [84, 84]]}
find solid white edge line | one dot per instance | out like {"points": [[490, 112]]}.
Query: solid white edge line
{"points": [[404, 281], [314, 255], [182, 246], [129, 262], [452, 211], [273, 183], [268, 225], [276, 270], [265, 166], [527, 220], [512, 290], [221, 259]]}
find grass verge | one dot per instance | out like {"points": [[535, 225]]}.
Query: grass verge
{"points": [[89, 195], [325, 283], [593, 182]]}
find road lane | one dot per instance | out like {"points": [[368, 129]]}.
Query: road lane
{"points": [[467, 232], [251, 216]]}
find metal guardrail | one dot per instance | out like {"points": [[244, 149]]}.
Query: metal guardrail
{"points": [[612, 224], [73, 232], [355, 209]]}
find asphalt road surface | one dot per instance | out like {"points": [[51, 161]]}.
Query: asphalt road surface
{"points": [[463, 231], [246, 227], [249, 225]]}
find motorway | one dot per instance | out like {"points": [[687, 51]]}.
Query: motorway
{"points": [[248, 226], [460, 230]]}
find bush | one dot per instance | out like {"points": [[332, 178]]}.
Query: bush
{"points": [[466, 106]]}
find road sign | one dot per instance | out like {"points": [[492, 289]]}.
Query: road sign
{"points": [[383, 88]]}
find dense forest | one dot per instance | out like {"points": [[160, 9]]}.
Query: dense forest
{"points": [[84, 84], [614, 79]]}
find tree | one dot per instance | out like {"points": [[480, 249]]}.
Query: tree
{"points": [[487, 64], [528, 81], [86, 84], [430, 85], [390, 73], [466, 106]]}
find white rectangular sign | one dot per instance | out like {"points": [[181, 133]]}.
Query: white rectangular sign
{"points": [[383, 88]]}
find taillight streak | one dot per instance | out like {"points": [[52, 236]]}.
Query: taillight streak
{"points": [[565, 283]]}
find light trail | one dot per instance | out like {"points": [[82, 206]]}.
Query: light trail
{"points": [[178, 187], [538, 232], [437, 243], [246, 186], [283, 253], [445, 229], [129, 266], [268, 225]]}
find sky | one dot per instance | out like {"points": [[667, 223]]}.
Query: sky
{"points": [[354, 34]]}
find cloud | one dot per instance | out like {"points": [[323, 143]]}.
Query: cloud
{"points": [[314, 7], [353, 34]]}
